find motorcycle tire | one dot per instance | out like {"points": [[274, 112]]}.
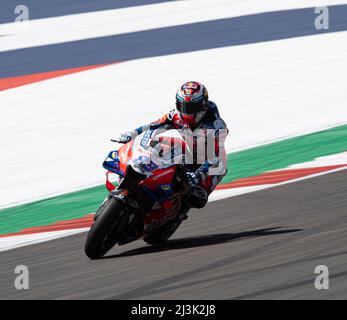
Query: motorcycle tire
{"points": [[98, 240]]}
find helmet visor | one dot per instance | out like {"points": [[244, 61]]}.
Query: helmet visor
{"points": [[189, 108]]}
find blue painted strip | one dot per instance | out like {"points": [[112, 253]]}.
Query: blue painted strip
{"points": [[165, 41], [39, 9]]}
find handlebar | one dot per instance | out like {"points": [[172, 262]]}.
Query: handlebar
{"points": [[122, 142]]}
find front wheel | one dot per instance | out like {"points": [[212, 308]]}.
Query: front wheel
{"points": [[100, 238]]}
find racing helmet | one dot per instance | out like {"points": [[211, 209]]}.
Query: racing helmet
{"points": [[192, 102]]}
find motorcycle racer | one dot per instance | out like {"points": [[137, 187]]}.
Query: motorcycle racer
{"points": [[195, 112]]}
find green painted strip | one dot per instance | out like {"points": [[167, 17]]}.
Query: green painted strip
{"points": [[281, 154], [241, 164], [48, 211]]}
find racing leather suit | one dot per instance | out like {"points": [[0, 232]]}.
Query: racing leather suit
{"points": [[217, 126]]}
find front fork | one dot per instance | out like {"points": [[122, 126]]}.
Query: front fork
{"points": [[119, 195]]}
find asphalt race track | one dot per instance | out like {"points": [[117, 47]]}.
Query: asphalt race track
{"points": [[263, 245]]}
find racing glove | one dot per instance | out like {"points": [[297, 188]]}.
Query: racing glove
{"points": [[125, 137], [198, 196], [195, 178]]}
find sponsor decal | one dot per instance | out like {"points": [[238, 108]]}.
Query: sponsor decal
{"points": [[145, 139], [163, 174], [166, 187]]}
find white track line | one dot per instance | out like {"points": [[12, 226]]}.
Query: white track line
{"points": [[14, 242]]}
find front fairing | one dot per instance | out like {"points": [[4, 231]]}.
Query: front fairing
{"points": [[112, 163], [155, 149], [145, 157], [118, 160]]}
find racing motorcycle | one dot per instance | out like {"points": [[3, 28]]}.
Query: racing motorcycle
{"points": [[147, 200]]}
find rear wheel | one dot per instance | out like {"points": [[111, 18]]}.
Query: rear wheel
{"points": [[102, 236]]}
